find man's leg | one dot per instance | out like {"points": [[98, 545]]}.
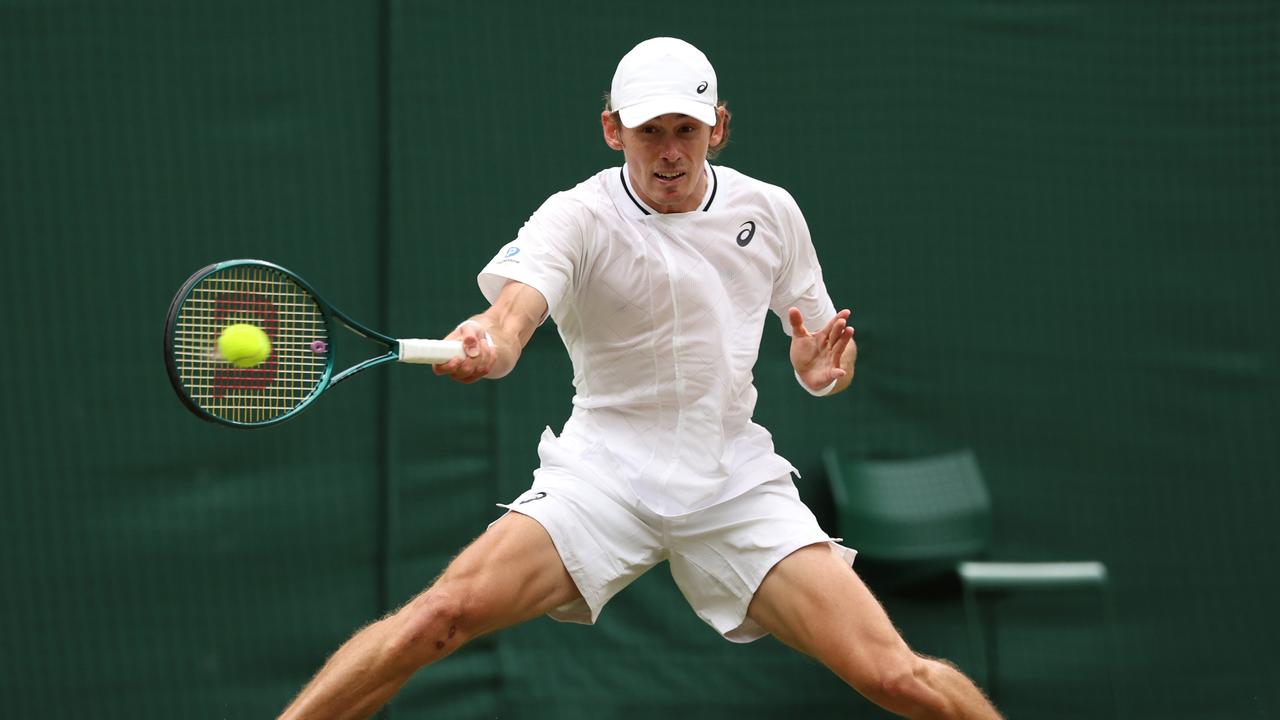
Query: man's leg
{"points": [[510, 574], [815, 603]]}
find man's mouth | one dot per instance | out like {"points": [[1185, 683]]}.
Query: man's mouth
{"points": [[668, 177]]}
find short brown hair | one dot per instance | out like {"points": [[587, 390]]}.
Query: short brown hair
{"points": [[722, 110]]}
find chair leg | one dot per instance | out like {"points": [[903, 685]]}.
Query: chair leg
{"points": [[982, 640], [1113, 649], [989, 626], [977, 638]]}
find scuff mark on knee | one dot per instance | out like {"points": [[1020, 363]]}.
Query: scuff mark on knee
{"points": [[453, 630]]}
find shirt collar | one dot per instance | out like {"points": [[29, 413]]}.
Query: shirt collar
{"points": [[642, 208]]}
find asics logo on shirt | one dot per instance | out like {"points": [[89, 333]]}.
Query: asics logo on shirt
{"points": [[747, 232], [531, 498]]}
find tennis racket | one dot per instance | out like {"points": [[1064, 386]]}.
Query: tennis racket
{"points": [[298, 322]]}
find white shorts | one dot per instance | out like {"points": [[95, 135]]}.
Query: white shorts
{"points": [[718, 555]]}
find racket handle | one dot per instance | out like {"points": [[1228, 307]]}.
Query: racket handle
{"points": [[429, 352]]}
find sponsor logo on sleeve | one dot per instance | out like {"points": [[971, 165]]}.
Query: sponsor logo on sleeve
{"points": [[509, 255]]}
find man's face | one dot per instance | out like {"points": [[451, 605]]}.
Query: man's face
{"points": [[665, 157]]}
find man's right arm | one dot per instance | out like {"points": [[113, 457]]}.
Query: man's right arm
{"points": [[492, 341]]}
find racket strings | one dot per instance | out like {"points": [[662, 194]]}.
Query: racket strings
{"points": [[271, 301]]}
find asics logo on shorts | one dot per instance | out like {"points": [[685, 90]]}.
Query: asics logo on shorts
{"points": [[536, 496]]}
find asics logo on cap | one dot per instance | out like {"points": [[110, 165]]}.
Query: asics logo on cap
{"points": [[702, 87]]}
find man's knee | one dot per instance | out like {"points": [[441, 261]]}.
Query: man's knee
{"points": [[431, 626], [903, 682]]}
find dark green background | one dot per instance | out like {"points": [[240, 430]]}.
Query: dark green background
{"points": [[1056, 224]]}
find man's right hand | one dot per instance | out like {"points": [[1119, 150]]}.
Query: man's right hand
{"points": [[492, 341], [478, 350]]}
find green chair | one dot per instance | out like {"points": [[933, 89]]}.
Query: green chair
{"points": [[936, 510]]}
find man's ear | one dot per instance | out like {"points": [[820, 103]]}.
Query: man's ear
{"points": [[612, 130], [718, 131]]}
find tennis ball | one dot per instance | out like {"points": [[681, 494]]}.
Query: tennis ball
{"points": [[244, 345]]}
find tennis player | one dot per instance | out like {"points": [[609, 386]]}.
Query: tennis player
{"points": [[660, 276]]}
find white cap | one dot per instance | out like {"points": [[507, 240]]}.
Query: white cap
{"points": [[664, 75]]}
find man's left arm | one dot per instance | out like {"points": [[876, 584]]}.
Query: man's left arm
{"points": [[823, 359]]}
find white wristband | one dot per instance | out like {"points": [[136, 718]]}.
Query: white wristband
{"points": [[487, 337], [817, 393]]}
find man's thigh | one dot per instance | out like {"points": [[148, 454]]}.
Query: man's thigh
{"points": [[511, 573], [813, 601]]}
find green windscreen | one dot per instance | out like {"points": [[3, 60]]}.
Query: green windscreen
{"points": [[1055, 225]]}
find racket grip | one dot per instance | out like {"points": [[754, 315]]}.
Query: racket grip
{"points": [[429, 352]]}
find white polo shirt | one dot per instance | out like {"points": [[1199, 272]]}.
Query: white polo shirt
{"points": [[662, 315]]}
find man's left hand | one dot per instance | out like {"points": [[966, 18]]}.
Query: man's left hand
{"points": [[822, 356]]}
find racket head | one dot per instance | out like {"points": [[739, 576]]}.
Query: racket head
{"points": [[282, 305]]}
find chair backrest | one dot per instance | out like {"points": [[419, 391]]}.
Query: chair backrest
{"points": [[930, 508]]}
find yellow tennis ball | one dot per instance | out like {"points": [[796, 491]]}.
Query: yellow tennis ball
{"points": [[244, 345]]}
